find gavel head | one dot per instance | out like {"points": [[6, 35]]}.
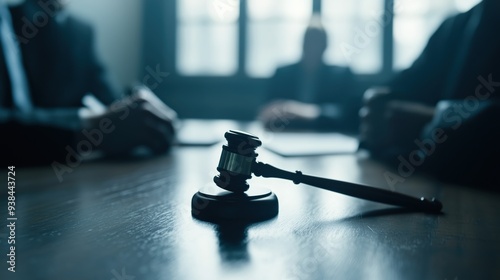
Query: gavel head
{"points": [[236, 160]]}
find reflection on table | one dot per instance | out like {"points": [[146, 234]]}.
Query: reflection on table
{"points": [[132, 220]]}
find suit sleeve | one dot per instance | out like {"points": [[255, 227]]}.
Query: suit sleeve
{"points": [[423, 80], [464, 150]]}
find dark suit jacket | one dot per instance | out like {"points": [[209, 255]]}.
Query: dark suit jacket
{"points": [[335, 85], [61, 67], [426, 80], [60, 60], [471, 151]]}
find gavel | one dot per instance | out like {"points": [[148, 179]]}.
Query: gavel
{"points": [[239, 160]]}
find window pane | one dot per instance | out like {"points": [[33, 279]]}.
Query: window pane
{"points": [[279, 9], [414, 23], [275, 31], [355, 30], [207, 37], [207, 49], [465, 5]]}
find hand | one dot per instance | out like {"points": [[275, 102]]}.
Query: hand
{"points": [[374, 127], [282, 115], [387, 122], [141, 119]]}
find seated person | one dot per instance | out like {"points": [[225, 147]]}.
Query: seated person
{"points": [[310, 94], [442, 114], [45, 72]]}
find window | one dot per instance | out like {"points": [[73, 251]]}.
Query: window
{"points": [[414, 23], [355, 30], [207, 37], [253, 37], [275, 30]]}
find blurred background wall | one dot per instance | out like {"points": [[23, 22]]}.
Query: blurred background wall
{"points": [[220, 54], [118, 26]]}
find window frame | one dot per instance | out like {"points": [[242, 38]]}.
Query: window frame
{"points": [[162, 15]]}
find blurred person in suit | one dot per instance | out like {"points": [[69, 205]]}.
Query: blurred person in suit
{"points": [[310, 94], [442, 114], [47, 65]]}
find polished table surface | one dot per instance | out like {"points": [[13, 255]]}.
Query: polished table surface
{"points": [[132, 220]]}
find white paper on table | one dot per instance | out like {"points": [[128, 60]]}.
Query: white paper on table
{"points": [[196, 132], [294, 144]]}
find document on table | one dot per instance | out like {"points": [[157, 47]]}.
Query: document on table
{"points": [[196, 132], [292, 144]]}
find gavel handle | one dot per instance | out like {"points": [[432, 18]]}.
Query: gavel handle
{"points": [[350, 189]]}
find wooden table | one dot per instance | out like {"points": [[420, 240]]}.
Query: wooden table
{"points": [[131, 220]]}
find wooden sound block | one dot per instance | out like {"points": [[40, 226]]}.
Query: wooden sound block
{"points": [[214, 204]]}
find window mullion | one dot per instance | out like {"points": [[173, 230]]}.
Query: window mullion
{"points": [[316, 7], [242, 37], [388, 38]]}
